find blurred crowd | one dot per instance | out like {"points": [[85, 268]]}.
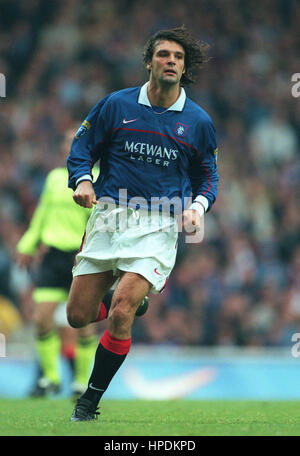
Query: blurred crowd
{"points": [[241, 285]]}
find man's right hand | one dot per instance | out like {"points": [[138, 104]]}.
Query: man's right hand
{"points": [[84, 194]]}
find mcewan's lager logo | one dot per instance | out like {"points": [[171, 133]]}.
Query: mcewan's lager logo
{"points": [[151, 153]]}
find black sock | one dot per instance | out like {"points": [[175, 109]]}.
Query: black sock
{"points": [[106, 365]]}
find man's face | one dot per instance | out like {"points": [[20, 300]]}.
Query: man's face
{"points": [[167, 64]]}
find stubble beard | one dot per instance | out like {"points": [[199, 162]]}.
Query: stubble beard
{"points": [[168, 82]]}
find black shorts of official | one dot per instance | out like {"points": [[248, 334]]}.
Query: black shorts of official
{"points": [[53, 277]]}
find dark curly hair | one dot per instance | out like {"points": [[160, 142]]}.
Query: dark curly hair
{"points": [[195, 52]]}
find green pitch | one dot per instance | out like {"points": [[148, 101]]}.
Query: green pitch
{"points": [[40, 417]]}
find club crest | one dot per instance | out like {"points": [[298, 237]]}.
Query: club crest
{"points": [[181, 129]]}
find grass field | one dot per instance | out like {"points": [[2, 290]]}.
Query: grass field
{"points": [[40, 417]]}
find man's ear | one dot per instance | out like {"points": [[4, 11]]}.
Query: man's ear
{"points": [[149, 66]]}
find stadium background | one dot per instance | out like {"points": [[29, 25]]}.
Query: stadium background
{"points": [[237, 290]]}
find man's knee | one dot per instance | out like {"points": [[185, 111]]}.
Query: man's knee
{"points": [[122, 311], [76, 318]]}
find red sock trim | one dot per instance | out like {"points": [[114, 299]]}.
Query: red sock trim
{"points": [[68, 351], [102, 312], [115, 345]]}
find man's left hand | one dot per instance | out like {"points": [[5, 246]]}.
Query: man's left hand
{"points": [[191, 221]]}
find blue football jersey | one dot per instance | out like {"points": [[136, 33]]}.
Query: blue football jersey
{"points": [[150, 152]]}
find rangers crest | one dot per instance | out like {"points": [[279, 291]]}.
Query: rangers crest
{"points": [[181, 129]]}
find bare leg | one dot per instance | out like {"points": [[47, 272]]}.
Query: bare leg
{"points": [[85, 297], [115, 342], [43, 316], [128, 295]]}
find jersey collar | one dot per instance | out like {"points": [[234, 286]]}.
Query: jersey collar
{"points": [[177, 106]]}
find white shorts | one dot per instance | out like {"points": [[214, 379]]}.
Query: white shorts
{"points": [[124, 239]]}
